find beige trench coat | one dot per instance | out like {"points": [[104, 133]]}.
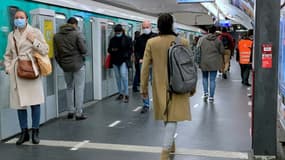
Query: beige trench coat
{"points": [[155, 54], [24, 92]]}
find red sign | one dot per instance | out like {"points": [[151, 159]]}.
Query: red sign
{"points": [[267, 55]]}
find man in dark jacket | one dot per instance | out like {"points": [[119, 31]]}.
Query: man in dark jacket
{"points": [[120, 48], [70, 50], [136, 82], [139, 53]]}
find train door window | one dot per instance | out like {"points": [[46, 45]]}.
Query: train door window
{"points": [[12, 11], [60, 19]]}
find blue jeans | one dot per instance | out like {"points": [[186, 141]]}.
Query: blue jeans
{"points": [[121, 73], [75, 82], [36, 115], [213, 75]]}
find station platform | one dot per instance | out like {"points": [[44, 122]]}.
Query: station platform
{"points": [[117, 131]]}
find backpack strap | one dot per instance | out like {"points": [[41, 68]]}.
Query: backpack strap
{"points": [[177, 40]]}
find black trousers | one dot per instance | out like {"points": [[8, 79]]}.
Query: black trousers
{"points": [[244, 71], [136, 82]]}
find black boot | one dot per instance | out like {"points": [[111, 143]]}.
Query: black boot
{"points": [[35, 136], [24, 137]]}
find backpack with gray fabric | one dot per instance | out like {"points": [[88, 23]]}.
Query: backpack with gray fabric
{"points": [[182, 71]]}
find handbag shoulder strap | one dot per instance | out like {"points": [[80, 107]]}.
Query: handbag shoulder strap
{"points": [[15, 43]]}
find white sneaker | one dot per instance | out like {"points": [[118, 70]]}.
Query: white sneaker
{"points": [[205, 96], [211, 99]]}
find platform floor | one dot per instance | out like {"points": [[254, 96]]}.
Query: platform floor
{"points": [[218, 131]]}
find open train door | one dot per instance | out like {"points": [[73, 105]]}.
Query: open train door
{"points": [[44, 19], [104, 78]]}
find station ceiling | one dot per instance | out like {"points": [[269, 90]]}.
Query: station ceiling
{"points": [[194, 13]]}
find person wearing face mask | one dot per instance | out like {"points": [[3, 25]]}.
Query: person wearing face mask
{"points": [[70, 51], [25, 92], [139, 53], [120, 48]]}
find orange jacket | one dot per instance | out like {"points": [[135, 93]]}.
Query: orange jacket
{"points": [[245, 49]]}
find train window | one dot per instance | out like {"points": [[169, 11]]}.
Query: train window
{"points": [[12, 10], [60, 16], [60, 19]]}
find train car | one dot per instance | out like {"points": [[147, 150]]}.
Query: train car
{"points": [[96, 21]]}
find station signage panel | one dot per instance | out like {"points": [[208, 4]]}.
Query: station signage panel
{"points": [[193, 1]]}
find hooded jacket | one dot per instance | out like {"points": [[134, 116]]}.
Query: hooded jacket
{"points": [[70, 48], [212, 51]]}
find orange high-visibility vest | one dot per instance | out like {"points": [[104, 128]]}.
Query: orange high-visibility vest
{"points": [[244, 47]]}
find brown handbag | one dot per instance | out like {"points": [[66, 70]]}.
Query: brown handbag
{"points": [[25, 67]]}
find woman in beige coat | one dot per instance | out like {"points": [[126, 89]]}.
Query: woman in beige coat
{"points": [[178, 108], [23, 92]]}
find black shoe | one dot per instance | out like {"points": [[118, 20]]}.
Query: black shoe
{"points": [[120, 97], [144, 110], [70, 115], [35, 136], [81, 117], [225, 76], [24, 137], [135, 89], [126, 99], [247, 84]]}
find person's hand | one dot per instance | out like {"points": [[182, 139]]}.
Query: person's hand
{"points": [[144, 95], [141, 60], [31, 37]]}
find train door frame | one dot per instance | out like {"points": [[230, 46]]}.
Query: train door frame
{"points": [[102, 87], [44, 19], [60, 82]]}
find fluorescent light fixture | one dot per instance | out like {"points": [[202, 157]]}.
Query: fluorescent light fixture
{"points": [[193, 1]]}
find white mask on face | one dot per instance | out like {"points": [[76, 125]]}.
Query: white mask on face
{"points": [[147, 31]]}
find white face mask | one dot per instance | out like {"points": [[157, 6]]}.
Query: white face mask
{"points": [[147, 31]]}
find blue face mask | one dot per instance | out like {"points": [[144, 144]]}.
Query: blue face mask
{"points": [[20, 23], [119, 35]]}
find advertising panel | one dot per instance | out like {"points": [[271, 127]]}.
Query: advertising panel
{"points": [[246, 6]]}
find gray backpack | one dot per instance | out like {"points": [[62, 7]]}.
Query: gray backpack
{"points": [[182, 71]]}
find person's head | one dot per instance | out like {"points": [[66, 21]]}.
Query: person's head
{"points": [[20, 19], [146, 27], [118, 29], [73, 21], [250, 32], [212, 29], [224, 29], [165, 24]]}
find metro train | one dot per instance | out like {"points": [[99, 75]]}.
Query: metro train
{"points": [[96, 21]]}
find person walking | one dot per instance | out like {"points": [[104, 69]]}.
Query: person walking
{"points": [[173, 110], [23, 42], [140, 49], [120, 48], [212, 51], [136, 82], [228, 43], [244, 56], [70, 52]]}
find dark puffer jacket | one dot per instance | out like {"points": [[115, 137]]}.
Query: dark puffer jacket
{"points": [[212, 51], [70, 48]]}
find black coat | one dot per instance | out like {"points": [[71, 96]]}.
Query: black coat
{"points": [[120, 49], [140, 45]]}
